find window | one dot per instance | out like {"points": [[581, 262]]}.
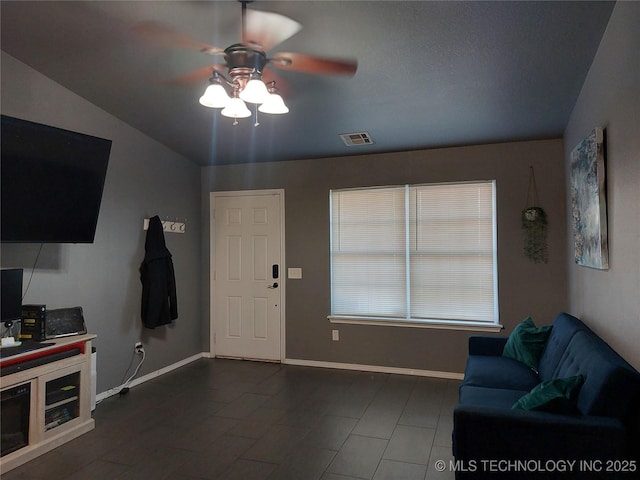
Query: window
{"points": [[415, 253]]}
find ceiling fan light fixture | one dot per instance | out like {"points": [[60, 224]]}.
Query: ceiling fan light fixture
{"points": [[215, 96], [236, 108], [255, 91], [274, 105], [246, 62]]}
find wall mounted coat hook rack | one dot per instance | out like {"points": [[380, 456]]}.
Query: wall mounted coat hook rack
{"points": [[169, 226]]}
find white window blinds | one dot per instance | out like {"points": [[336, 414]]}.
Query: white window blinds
{"points": [[369, 244], [424, 252]]}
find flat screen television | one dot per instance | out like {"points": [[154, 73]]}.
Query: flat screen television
{"points": [[11, 291], [51, 183]]}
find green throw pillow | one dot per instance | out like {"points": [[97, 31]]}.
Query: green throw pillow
{"points": [[555, 396], [527, 342]]}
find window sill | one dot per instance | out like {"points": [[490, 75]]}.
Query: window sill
{"points": [[437, 324]]}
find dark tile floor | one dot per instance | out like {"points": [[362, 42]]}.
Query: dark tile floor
{"points": [[227, 419]]}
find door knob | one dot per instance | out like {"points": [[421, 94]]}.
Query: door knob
{"points": [[275, 285]]}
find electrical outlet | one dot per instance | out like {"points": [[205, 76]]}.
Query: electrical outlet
{"points": [[138, 347], [335, 335]]}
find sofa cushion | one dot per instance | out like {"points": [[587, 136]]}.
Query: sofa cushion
{"points": [[472, 395], [564, 328], [554, 396], [526, 343], [499, 372], [611, 386]]}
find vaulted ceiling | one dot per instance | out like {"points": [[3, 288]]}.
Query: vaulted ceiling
{"points": [[430, 74]]}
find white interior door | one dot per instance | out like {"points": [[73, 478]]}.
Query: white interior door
{"points": [[247, 277]]}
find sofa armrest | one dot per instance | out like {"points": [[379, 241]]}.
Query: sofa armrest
{"points": [[485, 345], [490, 433]]}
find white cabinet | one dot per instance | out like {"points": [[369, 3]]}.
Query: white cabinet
{"points": [[59, 396]]}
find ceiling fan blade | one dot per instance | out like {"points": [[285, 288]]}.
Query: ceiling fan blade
{"points": [[265, 30], [162, 35], [309, 64], [195, 76]]}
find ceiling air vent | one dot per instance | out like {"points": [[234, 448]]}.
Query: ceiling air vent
{"points": [[353, 139]]}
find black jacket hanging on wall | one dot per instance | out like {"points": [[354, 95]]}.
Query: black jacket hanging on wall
{"points": [[159, 302]]}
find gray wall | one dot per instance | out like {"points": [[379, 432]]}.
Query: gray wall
{"points": [[525, 288], [144, 178], [609, 301]]}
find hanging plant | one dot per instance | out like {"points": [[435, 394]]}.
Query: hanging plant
{"points": [[534, 226]]}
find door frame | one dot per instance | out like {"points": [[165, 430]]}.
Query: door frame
{"points": [[212, 259]]}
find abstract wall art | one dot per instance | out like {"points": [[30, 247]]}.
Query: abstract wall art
{"points": [[588, 202]]}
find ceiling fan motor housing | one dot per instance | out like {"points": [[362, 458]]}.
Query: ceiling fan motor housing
{"points": [[243, 61]]}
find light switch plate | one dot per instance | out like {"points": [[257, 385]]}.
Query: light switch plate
{"points": [[294, 273]]}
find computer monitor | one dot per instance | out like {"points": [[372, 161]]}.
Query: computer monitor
{"points": [[11, 291]]}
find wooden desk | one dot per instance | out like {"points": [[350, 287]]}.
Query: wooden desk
{"points": [[60, 398]]}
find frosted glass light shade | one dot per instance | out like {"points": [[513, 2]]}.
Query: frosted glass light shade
{"points": [[254, 92], [274, 105], [215, 96], [236, 108]]}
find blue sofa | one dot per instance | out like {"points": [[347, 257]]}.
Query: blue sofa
{"points": [[490, 439]]}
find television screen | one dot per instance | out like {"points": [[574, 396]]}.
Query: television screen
{"points": [[52, 182], [11, 290]]}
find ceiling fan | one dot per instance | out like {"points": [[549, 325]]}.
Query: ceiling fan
{"points": [[248, 77]]}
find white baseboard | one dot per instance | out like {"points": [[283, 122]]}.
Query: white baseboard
{"points": [[152, 375], [375, 368]]}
